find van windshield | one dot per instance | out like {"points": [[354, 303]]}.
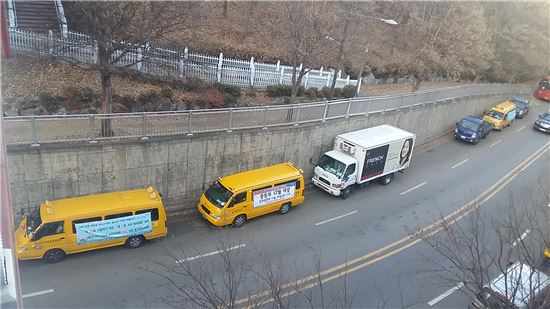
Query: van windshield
{"points": [[495, 114], [218, 194], [331, 165], [33, 221]]}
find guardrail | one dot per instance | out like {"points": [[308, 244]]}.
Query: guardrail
{"points": [[34, 130]]}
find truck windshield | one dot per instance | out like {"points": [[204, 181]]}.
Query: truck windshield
{"points": [[332, 165], [218, 194], [33, 221], [469, 125]]}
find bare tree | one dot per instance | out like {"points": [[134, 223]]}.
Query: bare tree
{"points": [[301, 28], [228, 279], [482, 246], [120, 27]]}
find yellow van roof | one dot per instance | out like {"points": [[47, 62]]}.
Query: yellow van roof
{"points": [[98, 204], [504, 106], [239, 181]]}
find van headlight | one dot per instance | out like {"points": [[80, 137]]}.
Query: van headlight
{"points": [[474, 135], [22, 248], [215, 216], [456, 130]]}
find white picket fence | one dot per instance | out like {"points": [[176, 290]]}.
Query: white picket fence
{"points": [[81, 48]]}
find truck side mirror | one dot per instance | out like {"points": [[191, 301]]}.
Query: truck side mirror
{"points": [[456, 123], [311, 162]]}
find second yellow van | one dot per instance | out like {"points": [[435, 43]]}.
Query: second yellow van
{"points": [[84, 223], [236, 198], [501, 115]]}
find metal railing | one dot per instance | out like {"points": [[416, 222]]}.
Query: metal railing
{"points": [[34, 130], [81, 48]]}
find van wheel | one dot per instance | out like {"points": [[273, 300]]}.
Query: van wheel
{"points": [[135, 242], [285, 208], [386, 179], [53, 255], [347, 192], [239, 221]]}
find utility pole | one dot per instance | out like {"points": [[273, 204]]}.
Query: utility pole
{"points": [[4, 25], [358, 86], [339, 61]]}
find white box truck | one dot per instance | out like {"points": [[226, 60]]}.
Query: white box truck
{"points": [[361, 156]]}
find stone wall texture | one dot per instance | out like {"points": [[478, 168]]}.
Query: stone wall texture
{"points": [[181, 167]]}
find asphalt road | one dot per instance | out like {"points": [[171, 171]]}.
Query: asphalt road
{"points": [[369, 230]]}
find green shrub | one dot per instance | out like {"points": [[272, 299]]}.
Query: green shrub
{"points": [[128, 101], [279, 91], [337, 92], [166, 91], [50, 102], [148, 97], [348, 91], [311, 93], [194, 84], [77, 95], [229, 99], [326, 92], [232, 90]]}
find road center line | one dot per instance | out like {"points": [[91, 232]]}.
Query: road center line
{"points": [[413, 188], [444, 295], [495, 143], [520, 129], [210, 254], [460, 163], [336, 218], [38, 293], [521, 237]]}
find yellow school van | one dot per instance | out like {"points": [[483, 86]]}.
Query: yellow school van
{"points": [[84, 223], [236, 198], [501, 115]]}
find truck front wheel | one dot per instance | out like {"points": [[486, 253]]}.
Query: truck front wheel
{"points": [[386, 179], [346, 192]]}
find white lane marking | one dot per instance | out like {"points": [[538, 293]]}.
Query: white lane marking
{"points": [[521, 237], [444, 295], [336, 218], [460, 163], [210, 253], [413, 188], [38, 293], [520, 129], [495, 143]]}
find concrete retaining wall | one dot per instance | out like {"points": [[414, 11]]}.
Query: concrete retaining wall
{"points": [[182, 167]]}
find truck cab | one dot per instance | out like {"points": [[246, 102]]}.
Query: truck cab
{"points": [[334, 172]]}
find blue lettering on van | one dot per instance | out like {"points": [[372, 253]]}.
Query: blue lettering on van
{"points": [[98, 231]]}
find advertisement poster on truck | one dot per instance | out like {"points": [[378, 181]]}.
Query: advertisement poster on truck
{"points": [[274, 194], [387, 158], [104, 230]]}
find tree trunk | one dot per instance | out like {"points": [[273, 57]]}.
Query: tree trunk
{"points": [[225, 8], [106, 103], [416, 84]]}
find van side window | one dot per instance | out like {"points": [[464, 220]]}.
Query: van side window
{"points": [[239, 198], [124, 214], [84, 221], [297, 184], [289, 182], [49, 229], [350, 170], [154, 213]]}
